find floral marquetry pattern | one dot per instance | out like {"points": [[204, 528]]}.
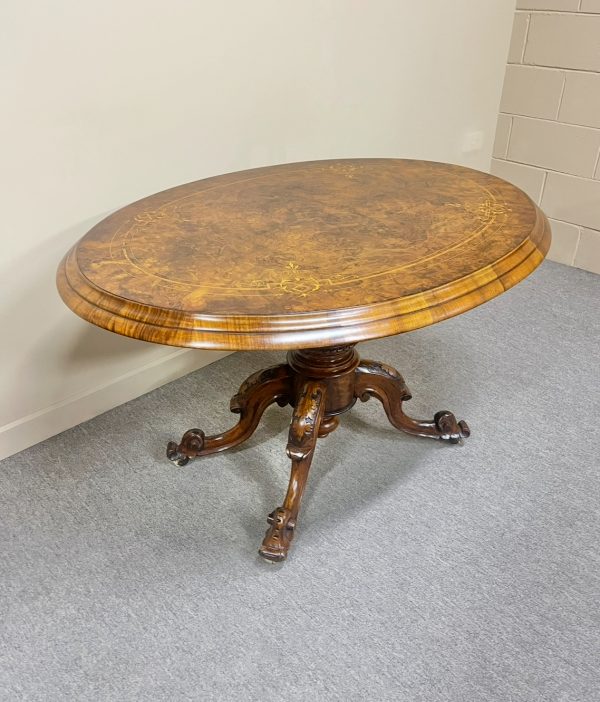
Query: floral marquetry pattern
{"points": [[297, 283]]}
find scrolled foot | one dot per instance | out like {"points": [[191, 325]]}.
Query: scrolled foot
{"points": [[387, 385], [279, 535], [449, 429], [256, 393], [302, 439], [190, 446]]}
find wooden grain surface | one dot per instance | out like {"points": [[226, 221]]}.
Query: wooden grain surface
{"points": [[304, 255]]}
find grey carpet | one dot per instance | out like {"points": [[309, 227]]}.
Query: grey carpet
{"points": [[420, 571]]}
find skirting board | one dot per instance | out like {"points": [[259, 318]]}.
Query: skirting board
{"points": [[36, 427]]}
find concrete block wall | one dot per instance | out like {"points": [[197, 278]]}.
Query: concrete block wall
{"points": [[548, 131]]}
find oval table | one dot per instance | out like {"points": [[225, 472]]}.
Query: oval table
{"points": [[311, 258]]}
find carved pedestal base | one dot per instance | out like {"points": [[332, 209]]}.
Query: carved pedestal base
{"points": [[320, 384]]}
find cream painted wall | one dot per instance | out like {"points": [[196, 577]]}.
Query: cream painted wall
{"points": [[105, 102]]}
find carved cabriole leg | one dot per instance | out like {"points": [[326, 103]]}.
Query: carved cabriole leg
{"points": [[260, 390], [304, 430], [378, 380]]}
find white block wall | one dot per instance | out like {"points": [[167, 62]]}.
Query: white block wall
{"points": [[548, 132]]}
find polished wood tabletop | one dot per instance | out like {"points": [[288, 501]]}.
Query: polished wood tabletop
{"points": [[305, 254]]}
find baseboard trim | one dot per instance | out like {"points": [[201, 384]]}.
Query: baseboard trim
{"points": [[41, 425]]}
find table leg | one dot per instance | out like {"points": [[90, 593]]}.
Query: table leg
{"points": [[321, 385], [374, 379], [304, 431], [261, 389]]}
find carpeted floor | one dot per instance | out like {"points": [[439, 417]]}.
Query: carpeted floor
{"points": [[420, 571]]}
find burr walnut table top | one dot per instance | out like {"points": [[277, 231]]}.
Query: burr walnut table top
{"points": [[304, 254]]}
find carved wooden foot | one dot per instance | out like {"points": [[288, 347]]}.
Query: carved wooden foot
{"points": [[378, 380], [256, 393], [304, 430]]}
